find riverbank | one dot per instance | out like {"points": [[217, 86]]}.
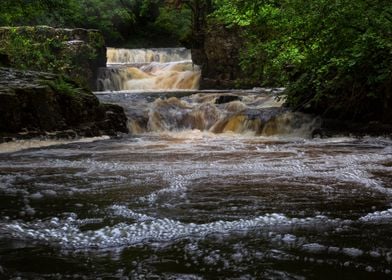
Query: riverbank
{"points": [[333, 127], [36, 104]]}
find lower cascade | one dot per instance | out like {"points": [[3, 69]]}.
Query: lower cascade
{"points": [[257, 112]]}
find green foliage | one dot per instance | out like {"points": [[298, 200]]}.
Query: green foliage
{"points": [[110, 17], [37, 12], [347, 69], [335, 56], [47, 49], [27, 52], [266, 48], [171, 27], [63, 85], [118, 20], [174, 22]]}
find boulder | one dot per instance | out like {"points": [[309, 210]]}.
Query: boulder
{"points": [[35, 103]]}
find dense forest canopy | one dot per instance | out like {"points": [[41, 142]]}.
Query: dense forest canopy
{"points": [[334, 56], [134, 22]]}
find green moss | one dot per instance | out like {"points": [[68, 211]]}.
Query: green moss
{"points": [[76, 53], [62, 85]]}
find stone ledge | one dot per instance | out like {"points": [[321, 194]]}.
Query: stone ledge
{"points": [[36, 103]]}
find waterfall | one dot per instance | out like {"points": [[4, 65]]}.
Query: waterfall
{"points": [[154, 86], [255, 112], [134, 56], [144, 69]]}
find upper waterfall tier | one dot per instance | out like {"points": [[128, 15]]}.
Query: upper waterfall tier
{"points": [[138, 56], [148, 69]]}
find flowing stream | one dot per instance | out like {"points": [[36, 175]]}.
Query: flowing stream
{"points": [[209, 185], [143, 69]]}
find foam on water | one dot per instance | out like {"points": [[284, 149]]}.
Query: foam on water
{"points": [[378, 216], [67, 234], [278, 160], [125, 212], [211, 201]]}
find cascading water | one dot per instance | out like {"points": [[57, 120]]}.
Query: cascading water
{"points": [[255, 112], [208, 185], [141, 69], [135, 56]]}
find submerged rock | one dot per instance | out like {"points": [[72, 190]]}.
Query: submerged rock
{"points": [[34, 103], [226, 99]]}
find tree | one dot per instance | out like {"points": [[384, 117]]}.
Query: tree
{"points": [[200, 9], [118, 20], [38, 12], [334, 56]]}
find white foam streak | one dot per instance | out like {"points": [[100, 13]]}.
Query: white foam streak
{"points": [[68, 235], [177, 187], [125, 212], [18, 145], [378, 216]]}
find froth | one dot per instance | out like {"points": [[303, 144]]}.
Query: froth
{"points": [[67, 234]]}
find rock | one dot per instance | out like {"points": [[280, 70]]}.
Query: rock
{"points": [[331, 127], [226, 99], [35, 103], [77, 53], [219, 57], [4, 60]]}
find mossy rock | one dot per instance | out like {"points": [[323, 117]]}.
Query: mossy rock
{"points": [[77, 53]]}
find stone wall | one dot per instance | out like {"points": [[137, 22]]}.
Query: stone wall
{"points": [[77, 53], [219, 57]]}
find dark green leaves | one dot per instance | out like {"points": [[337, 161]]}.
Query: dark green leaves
{"points": [[339, 52]]}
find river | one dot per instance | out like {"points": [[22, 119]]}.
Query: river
{"points": [[209, 185]]}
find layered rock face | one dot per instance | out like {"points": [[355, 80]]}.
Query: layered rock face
{"points": [[219, 57], [77, 53], [35, 103]]}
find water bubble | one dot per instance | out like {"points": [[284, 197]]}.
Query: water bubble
{"points": [[36, 195], [352, 252]]}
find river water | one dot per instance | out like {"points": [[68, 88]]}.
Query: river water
{"points": [[205, 187]]}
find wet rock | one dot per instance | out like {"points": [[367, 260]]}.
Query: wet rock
{"points": [[4, 60], [331, 127], [35, 103], [226, 99], [63, 134]]}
